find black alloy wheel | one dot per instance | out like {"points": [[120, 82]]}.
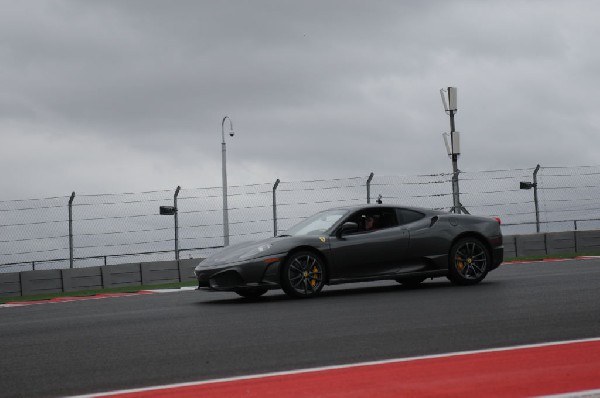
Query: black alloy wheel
{"points": [[469, 259], [303, 274]]}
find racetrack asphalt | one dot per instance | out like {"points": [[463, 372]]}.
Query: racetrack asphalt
{"points": [[129, 342]]}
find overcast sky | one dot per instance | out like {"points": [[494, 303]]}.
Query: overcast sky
{"points": [[128, 96]]}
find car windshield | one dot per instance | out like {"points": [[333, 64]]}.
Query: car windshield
{"points": [[317, 224]]}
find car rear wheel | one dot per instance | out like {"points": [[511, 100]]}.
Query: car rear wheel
{"points": [[251, 292], [469, 261], [303, 274]]}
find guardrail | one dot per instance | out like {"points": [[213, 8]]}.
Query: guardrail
{"points": [[103, 258]]}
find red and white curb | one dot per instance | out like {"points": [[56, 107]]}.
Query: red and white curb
{"points": [[558, 369], [95, 297], [552, 260]]}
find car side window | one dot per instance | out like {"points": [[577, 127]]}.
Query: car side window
{"points": [[374, 219], [406, 216]]}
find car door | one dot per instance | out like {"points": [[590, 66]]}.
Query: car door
{"points": [[369, 253]]}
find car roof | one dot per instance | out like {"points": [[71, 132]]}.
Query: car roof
{"points": [[393, 205]]}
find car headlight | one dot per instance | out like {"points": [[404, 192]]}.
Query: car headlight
{"points": [[255, 252]]}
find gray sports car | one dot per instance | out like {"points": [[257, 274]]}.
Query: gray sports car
{"points": [[357, 244]]}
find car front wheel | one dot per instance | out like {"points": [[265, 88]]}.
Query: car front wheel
{"points": [[469, 261], [303, 274]]}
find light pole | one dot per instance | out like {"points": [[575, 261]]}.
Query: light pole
{"points": [[454, 147], [224, 174], [369, 187], [275, 207]]}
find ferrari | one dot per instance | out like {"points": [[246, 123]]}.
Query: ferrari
{"points": [[359, 244]]}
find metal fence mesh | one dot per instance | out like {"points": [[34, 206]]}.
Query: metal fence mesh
{"points": [[33, 230], [569, 197], [127, 227]]}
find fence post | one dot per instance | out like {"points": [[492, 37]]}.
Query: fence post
{"points": [[369, 187], [71, 229], [176, 223], [535, 199], [275, 207]]}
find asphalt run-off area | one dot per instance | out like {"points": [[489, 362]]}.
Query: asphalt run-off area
{"points": [[530, 329]]}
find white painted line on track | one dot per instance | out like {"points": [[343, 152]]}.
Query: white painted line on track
{"points": [[579, 394], [182, 289]]}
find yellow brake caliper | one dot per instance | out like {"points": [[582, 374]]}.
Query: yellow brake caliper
{"points": [[460, 265], [313, 281]]}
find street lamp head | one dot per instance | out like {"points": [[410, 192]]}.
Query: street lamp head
{"points": [[231, 132]]}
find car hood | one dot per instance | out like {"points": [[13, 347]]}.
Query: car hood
{"points": [[240, 252]]}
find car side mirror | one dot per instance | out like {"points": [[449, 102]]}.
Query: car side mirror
{"points": [[434, 219], [347, 228]]}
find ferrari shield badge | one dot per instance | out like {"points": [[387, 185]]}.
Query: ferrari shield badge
{"points": [[322, 239]]}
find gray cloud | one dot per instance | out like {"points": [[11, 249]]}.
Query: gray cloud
{"points": [[121, 96]]}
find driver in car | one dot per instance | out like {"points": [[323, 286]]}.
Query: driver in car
{"points": [[369, 223]]}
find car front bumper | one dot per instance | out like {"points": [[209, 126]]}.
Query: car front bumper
{"points": [[261, 272]]}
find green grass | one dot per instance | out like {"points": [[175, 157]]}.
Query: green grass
{"points": [[133, 289], [86, 293]]}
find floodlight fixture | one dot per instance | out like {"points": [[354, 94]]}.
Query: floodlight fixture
{"points": [[167, 210], [448, 149], [527, 185], [451, 105], [452, 145]]}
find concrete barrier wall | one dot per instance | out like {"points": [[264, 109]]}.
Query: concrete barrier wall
{"points": [[160, 272], [29, 283], [186, 269], [530, 245], [40, 282], [560, 242], [551, 243], [10, 284], [121, 275], [510, 248], [588, 241], [77, 279]]}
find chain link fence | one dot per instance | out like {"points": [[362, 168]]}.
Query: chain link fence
{"points": [[127, 227]]}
